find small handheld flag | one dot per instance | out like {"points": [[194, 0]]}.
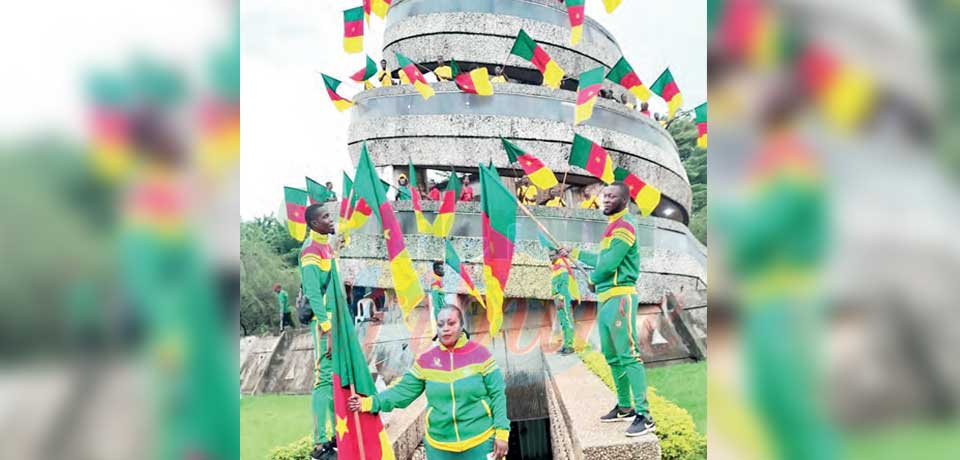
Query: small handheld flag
{"points": [[413, 75], [591, 157], [622, 74], [340, 102], [532, 166], [701, 118], [526, 48], [591, 82], [353, 30], [666, 88], [645, 195], [575, 13], [296, 204]]}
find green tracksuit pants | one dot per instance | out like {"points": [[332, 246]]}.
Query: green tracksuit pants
{"points": [[618, 340], [322, 397], [477, 453], [565, 316]]}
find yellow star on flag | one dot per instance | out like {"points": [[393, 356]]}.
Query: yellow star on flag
{"points": [[341, 427], [386, 234]]}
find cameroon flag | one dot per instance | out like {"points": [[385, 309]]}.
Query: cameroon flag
{"points": [[351, 375], [498, 208], [366, 73], [423, 225], [666, 88], [366, 10], [477, 81], [361, 212], [112, 147], [532, 166], [413, 75], [453, 260], [611, 5], [346, 208], [645, 195], [353, 30], [296, 202], [448, 204], [380, 7], [318, 193], [701, 112], [844, 93], [406, 282], [332, 84], [575, 13], [591, 82], [622, 74], [590, 156], [528, 49]]}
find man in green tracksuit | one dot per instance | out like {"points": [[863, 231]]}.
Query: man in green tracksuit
{"points": [[283, 301], [316, 260], [437, 299], [560, 289], [614, 279]]}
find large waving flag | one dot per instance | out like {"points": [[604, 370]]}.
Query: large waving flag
{"points": [[409, 70], [453, 260], [406, 282], [666, 88], [590, 156], [645, 195], [380, 7], [498, 208], [622, 74], [528, 49], [532, 166], [317, 192], [701, 113], [351, 375], [423, 225], [448, 204], [296, 203], [340, 102], [477, 81], [366, 73], [611, 5], [591, 82], [575, 13], [353, 30]]}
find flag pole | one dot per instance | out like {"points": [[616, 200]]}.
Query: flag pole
{"points": [[546, 232], [356, 420]]}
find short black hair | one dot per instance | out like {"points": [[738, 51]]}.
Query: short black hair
{"points": [[313, 211], [437, 264], [623, 188]]}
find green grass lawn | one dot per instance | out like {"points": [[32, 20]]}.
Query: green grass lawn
{"points": [[685, 385], [270, 421]]}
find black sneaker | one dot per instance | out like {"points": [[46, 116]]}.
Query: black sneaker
{"points": [[641, 425], [618, 415], [325, 451]]}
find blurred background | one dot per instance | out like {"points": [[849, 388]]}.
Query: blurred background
{"points": [[119, 167], [834, 162]]}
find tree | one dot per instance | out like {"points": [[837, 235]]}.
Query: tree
{"points": [[268, 255], [684, 132]]}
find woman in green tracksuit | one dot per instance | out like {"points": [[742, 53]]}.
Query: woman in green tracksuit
{"points": [[466, 405]]}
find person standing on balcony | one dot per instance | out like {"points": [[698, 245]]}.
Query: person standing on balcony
{"points": [[384, 75], [562, 299], [466, 192], [443, 71], [434, 194], [527, 192], [554, 200], [614, 279], [498, 76], [404, 192], [589, 201]]}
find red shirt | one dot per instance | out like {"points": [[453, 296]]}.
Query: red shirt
{"points": [[434, 194], [466, 194]]}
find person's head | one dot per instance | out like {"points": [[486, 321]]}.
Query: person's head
{"points": [[276, 287], [644, 106], [615, 198], [498, 70], [383, 64], [585, 193], [438, 267], [623, 98], [439, 61], [449, 325], [466, 181], [319, 219], [554, 254], [433, 184], [402, 180], [330, 186], [554, 192], [524, 180]]}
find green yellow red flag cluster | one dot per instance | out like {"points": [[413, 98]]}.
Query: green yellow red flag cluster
{"points": [[499, 230], [340, 102], [410, 74], [353, 30], [701, 119], [591, 82], [538, 173], [355, 431], [575, 13], [591, 156], [622, 74], [526, 48], [448, 204], [645, 195], [476, 81], [453, 260], [666, 88], [295, 200], [423, 225], [406, 282]]}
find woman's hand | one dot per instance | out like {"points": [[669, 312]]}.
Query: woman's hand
{"points": [[499, 449], [353, 403]]}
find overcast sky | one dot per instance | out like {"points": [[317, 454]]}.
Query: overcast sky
{"points": [[291, 129]]}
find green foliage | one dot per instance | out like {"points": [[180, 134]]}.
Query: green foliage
{"points": [[299, 450], [679, 439], [267, 255], [684, 132]]}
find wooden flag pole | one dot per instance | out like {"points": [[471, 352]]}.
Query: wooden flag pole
{"points": [[546, 232], [356, 420]]}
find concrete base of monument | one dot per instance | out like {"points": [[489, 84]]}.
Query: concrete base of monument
{"points": [[405, 428], [577, 398]]}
